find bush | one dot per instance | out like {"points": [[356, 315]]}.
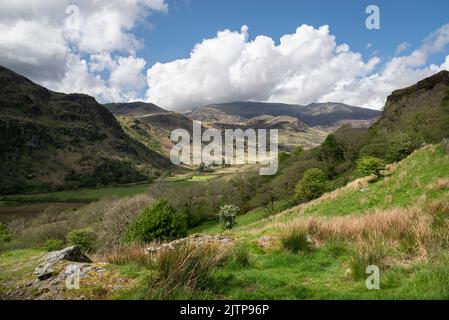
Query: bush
{"points": [[83, 238], [117, 218], [53, 245], [228, 216], [4, 233], [158, 222], [403, 145], [296, 241], [312, 185], [370, 166]]}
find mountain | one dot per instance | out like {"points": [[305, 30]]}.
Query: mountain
{"points": [[153, 137], [325, 116], [134, 109], [151, 114], [54, 140], [168, 121], [411, 117], [292, 132]]}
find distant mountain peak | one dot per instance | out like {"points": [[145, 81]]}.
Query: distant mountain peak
{"points": [[326, 116]]}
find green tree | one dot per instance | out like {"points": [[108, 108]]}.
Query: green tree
{"points": [[370, 166], [312, 185], [158, 222]]}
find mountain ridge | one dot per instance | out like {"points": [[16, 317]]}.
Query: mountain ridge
{"points": [[322, 115], [137, 108]]}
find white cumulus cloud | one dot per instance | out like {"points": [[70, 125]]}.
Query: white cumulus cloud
{"points": [[77, 45], [306, 66]]}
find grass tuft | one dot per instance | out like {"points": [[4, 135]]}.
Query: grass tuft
{"points": [[296, 241], [184, 271]]}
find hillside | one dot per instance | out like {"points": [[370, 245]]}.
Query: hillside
{"points": [[152, 135], [50, 140], [292, 132], [411, 117], [325, 116], [398, 223], [134, 109], [152, 115]]}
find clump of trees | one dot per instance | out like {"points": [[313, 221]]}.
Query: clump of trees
{"points": [[109, 172]]}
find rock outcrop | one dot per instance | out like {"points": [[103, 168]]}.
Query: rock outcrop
{"points": [[46, 269]]}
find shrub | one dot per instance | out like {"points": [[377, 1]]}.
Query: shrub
{"points": [[158, 222], [117, 218], [53, 245], [296, 241], [83, 238], [228, 216], [403, 145], [370, 166], [4, 233], [312, 185]]}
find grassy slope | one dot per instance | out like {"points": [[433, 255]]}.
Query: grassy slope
{"points": [[322, 274]]}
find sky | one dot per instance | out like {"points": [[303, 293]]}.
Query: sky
{"points": [[182, 54]]}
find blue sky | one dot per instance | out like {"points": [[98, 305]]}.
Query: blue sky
{"points": [[173, 34], [258, 50]]}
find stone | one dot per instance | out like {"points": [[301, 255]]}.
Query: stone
{"points": [[79, 269], [45, 270], [264, 242]]}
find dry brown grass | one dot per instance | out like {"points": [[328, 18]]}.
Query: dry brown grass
{"points": [[392, 223], [440, 184], [414, 233], [129, 254]]}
